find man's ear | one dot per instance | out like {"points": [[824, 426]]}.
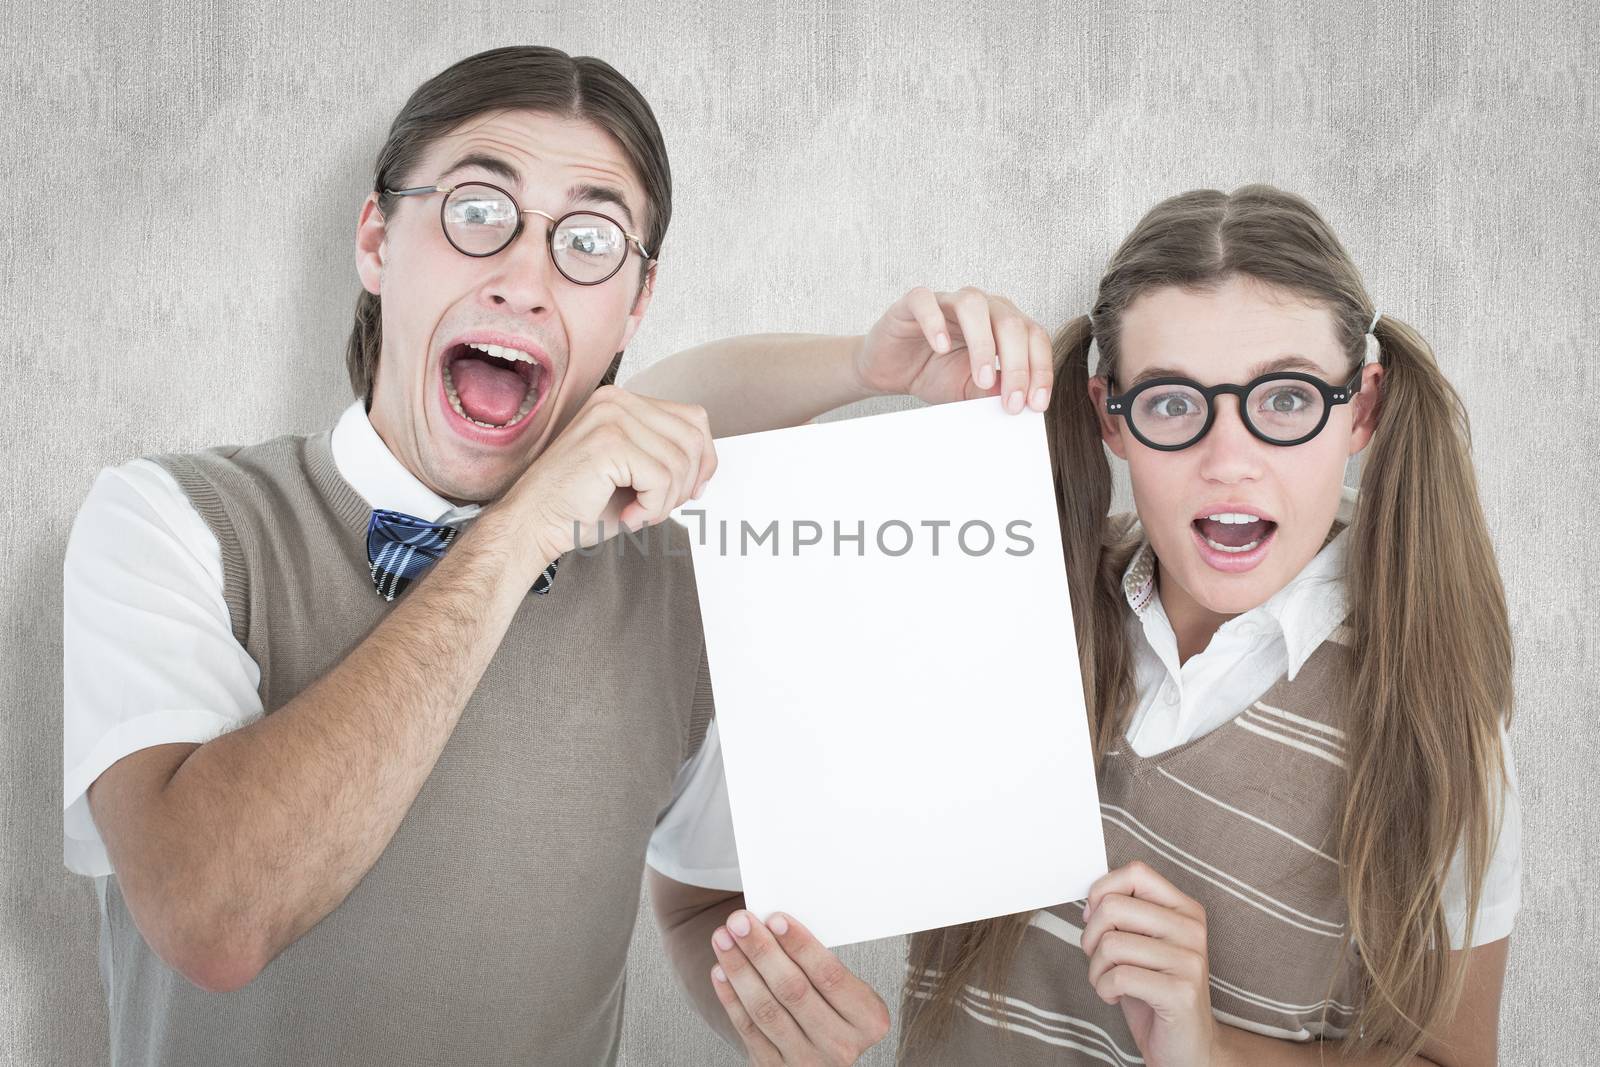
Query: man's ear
{"points": [[1110, 425], [369, 246], [647, 288], [1365, 405]]}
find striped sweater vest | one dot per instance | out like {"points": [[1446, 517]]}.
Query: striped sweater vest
{"points": [[1243, 819]]}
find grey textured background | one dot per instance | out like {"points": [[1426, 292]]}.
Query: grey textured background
{"points": [[182, 181]]}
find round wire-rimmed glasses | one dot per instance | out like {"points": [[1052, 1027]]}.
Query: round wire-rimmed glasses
{"points": [[480, 219], [1170, 414]]}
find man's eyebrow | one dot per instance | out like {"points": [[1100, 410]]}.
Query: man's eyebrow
{"points": [[1271, 366], [493, 164], [585, 192]]}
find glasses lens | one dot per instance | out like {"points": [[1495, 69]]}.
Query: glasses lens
{"points": [[1168, 414], [1285, 409], [588, 248], [479, 219]]}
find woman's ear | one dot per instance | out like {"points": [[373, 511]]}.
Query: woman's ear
{"points": [[369, 246], [1110, 425], [1365, 406]]}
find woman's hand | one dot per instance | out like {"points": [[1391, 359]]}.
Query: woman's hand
{"points": [[941, 347], [790, 999], [1146, 944]]}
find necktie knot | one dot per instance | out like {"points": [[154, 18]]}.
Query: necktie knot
{"points": [[401, 548]]}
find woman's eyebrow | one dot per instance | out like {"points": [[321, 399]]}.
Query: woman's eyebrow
{"points": [[1271, 366], [1290, 362]]}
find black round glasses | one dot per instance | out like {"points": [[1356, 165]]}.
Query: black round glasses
{"points": [[1281, 408]]}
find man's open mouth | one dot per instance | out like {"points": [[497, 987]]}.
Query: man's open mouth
{"points": [[491, 385]]}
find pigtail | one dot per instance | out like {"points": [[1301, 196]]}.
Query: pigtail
{"points": [[1431, 686], [1094, 565]]}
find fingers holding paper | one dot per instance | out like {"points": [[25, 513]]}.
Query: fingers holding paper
{"points": [[1146, 943], [945, 346], [789, 998]]}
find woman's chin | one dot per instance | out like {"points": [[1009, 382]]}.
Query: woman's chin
{"points": [[1222, 594]]}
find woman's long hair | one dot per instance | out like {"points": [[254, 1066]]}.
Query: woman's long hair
{"points": [[1431, 672]]}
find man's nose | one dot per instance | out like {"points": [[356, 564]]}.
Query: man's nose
{"points": [[1229, 451], [523, 276]]}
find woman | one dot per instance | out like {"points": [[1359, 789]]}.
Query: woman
{"points": [[1297, 696]]}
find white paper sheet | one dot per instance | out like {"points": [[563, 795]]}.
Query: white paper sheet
{"points": [[902, 722]]}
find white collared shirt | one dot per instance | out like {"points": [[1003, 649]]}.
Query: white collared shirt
{"points": [[1249, 652], [148, 652], [1177, 703]]}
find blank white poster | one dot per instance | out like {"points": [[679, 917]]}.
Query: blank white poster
{"points": [[896, 676]]}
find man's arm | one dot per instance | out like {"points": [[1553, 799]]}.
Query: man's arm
{"points": [[687, 915], [229, 851], [938, 347]]}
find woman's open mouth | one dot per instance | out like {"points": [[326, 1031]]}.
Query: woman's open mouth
{"points": [[492, 389], [1233, 542]]}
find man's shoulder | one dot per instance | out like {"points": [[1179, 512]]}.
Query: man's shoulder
{"points": [[253, 457], [250, 477]]}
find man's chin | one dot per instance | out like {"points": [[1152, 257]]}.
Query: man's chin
{"points": [[475, 485]]}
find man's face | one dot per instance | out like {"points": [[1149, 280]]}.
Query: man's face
{"points": [[436, 300], [1227, 335]]}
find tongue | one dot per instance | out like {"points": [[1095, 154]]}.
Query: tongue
{"points": [[1234, 536], [489, 393]]}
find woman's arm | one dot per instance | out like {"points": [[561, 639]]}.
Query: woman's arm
{"points": [[937, 347], [1157, 969], [761, 381]]}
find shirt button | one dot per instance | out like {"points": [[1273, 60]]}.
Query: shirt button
{"points": [[1172, 695]]}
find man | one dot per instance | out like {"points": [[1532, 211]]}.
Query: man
{"points": [[428, 850], [345, 807]]}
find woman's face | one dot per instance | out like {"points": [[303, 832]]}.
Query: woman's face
{"points": [[1232, 334]]}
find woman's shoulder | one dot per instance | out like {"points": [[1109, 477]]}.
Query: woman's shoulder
{"points": [[1121, 525], [1120, 540]]}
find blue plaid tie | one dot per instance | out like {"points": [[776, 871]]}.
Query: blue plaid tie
{"points": [[401, 547]]}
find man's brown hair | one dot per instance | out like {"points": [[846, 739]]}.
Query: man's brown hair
{"points": [[527, 78]]}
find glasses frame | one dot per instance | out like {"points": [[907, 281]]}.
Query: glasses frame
{"points": [[1332, 395], [549, 234]]}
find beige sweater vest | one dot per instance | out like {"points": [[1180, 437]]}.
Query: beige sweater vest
{"points": [[493, 928]]}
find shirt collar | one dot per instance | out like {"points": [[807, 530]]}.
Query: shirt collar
{"points": [[373, 471], [1305, 611]]}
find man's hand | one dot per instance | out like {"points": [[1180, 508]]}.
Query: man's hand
{"points": [[625, 461], [1146, 944], [941, 347], [789, 998]]}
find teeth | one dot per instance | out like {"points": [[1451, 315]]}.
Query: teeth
{"points": [[502, 352], [1233, 518], [1232, 548]]}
